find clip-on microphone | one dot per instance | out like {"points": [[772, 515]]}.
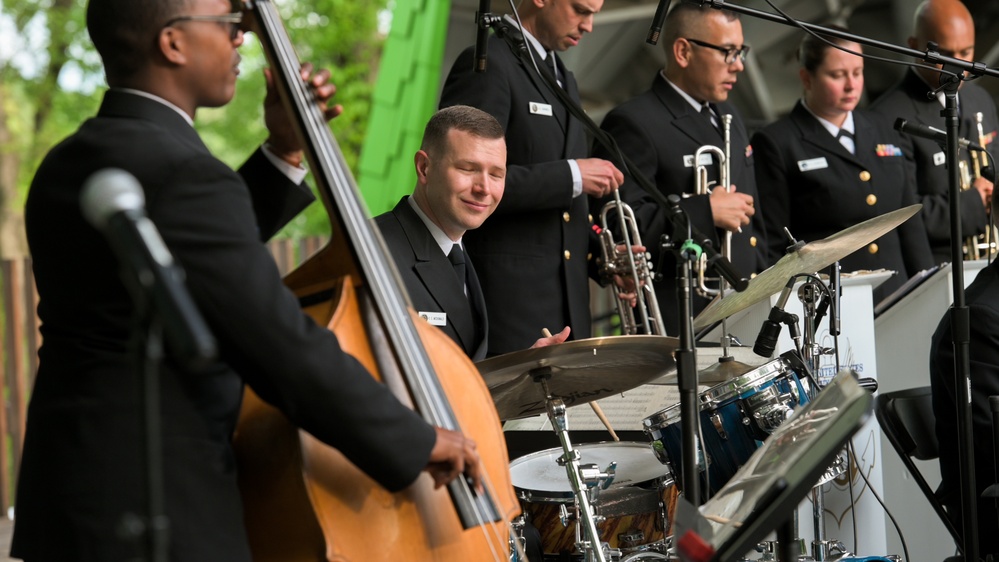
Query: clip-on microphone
{"points": [[766, 341]]}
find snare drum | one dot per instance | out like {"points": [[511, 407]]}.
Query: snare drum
{"points": [[635, 507], [736, 416]]}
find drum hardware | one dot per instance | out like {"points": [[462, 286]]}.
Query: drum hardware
{"points": [[589, 540]]}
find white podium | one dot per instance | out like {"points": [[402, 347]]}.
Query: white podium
{"points": [[856, 351], [903, 334]]}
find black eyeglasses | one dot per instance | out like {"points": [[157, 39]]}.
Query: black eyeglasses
{"points": [[234, 20], [731, 53]]}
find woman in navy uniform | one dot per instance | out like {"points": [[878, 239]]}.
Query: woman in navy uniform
{"points": [[825, 167]]}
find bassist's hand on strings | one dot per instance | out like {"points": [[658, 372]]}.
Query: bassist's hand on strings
{"points": [[454, 454], [283, 142]]}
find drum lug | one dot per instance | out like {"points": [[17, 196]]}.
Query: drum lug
{"points": [[716, 420], [563, 515], [631, 539], [768, 419]]}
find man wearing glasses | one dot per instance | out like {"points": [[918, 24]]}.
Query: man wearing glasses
{"points": [[82, 490], [662, 128]]}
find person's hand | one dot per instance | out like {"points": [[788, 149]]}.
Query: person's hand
{"points": [[453, 455], [600, 177], [283, 141], [549, 339], [625, 282], [731, 210], [984, 188]]}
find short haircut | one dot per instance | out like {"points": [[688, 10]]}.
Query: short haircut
{"points": [[682, 19], [463, 118], [125, 31], [812, 50]]}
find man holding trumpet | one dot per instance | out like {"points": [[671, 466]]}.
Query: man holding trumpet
{"points": [[663, 128]]}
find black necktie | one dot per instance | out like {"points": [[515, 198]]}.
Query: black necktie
{"points": [[457, 257], [850, 144], [708, 112], [550, 60]]}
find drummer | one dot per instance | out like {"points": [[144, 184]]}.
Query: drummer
{"points": [[827, 166], [460, 178]]}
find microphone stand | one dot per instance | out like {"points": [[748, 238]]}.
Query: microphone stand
{"points": [[961, 331], [960, 323], [153, 529]]}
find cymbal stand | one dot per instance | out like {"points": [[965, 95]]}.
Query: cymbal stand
{"points": [[581, 477], [811, 352]]}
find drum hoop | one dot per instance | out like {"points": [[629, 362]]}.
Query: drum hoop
{"points": [[730, 390], [563, 496]]}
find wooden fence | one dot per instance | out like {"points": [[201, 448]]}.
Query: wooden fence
{"points": [[21, 341]]}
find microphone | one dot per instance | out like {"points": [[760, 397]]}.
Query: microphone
{"points": [[932, 133], [766, 341], [113, 202], [657, 22], [481, 35]]}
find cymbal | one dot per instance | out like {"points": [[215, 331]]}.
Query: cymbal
{"points": [[719, 372], [808, 259], [724, 370], [580, 371]]}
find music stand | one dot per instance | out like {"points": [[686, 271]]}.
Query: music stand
{"points": [[764, 493]]}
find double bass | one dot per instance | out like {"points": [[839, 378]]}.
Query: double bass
{"points": [[303, 500]]}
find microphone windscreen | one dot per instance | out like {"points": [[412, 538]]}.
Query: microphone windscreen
{"points": [[107, 192]]}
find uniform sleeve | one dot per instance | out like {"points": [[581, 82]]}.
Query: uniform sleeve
{"points": [[263, 335]]}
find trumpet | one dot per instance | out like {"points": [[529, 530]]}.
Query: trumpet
{"points": [[625, 261], [703, 187], [977, 246]]}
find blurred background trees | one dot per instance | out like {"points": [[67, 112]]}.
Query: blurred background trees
{"points": [[51, 81]]}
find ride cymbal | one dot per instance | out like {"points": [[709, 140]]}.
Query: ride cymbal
{"points": [[577, 372], [810, 258]]}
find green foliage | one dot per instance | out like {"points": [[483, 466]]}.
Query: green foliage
{"points": [[339, 35]]}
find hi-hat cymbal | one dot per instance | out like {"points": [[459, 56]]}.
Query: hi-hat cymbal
{"points": [[724, 370], [808, 259], [580, 371]]}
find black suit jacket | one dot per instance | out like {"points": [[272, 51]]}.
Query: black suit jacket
{"points": [[982, 298], [532, 254], [430, 281], [908, 99], [660, 131], [82, 468], [812, 185]]}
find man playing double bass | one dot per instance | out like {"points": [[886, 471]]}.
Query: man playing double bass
{"points": [[82, 467]]}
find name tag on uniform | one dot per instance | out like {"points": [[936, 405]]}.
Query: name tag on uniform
{"points": [[813, 164], [703, 160], [939, 159], [538, 108], [434, 318]]}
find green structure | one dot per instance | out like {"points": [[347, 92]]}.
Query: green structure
{"points": [[405, 97]]}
